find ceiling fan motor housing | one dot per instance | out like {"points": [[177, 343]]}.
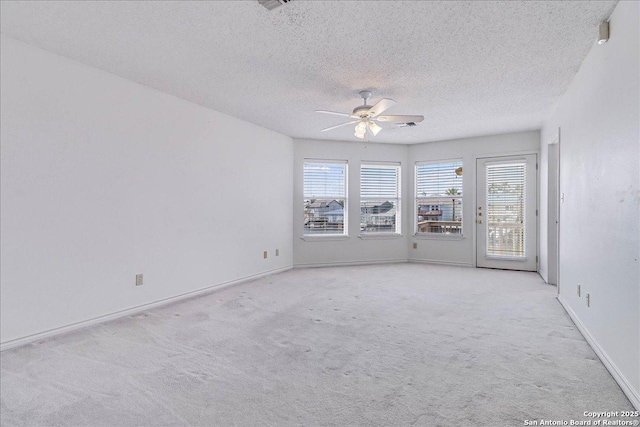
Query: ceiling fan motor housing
{"points": [[362, 111]]}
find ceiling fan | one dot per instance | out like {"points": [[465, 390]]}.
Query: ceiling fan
{"points": [[366, 116]]}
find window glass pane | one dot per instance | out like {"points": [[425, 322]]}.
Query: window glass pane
{"points": [[378, 216], [439, 198], [325, 199], [506, 197], [379, 199]]}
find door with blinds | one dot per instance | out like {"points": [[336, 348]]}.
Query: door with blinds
{"points": [[506, 213]]}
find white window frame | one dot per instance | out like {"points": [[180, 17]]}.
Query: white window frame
{"points": [[416, 198], [345, 208], [398, 199]]}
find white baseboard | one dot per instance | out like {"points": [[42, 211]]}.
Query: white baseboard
{"points": [[627, 389], [439, 262], [349, 263], [133, 310], [383, 261]]}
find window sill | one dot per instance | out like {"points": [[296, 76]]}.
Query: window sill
{"points": [[324, 237], [380, 236], [438, 236]]}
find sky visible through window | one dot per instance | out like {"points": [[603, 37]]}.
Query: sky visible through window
{"points": [[322, 180], [436, 179]]}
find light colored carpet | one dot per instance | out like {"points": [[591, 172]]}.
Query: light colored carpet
{"points": [[382, 345]]}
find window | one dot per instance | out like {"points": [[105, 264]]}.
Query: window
{"points": [[325, 198], [439, 198], [380, 198], [506, 207]]}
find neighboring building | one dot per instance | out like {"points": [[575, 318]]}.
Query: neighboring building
{"points": [[335, 217], [439, 215], [323, 216], [377, 209], [318, 207], [440, 210], [380, 217], [429, 212]]}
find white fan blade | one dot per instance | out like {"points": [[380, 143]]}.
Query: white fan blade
{"points": [[400, 119], [335, 113], [341, 124], [380, 106]]}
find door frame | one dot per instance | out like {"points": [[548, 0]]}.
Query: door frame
{"points": [[559, 202], [553, 212], [475, 200]]}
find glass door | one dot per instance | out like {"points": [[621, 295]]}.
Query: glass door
{"points": [[506, 213]]}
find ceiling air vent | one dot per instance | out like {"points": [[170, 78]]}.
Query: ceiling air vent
{"points": [[272, 4], [408, 124]]}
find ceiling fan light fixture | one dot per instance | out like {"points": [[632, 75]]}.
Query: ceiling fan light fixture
{"points": [[361, 129], [374, 128]]}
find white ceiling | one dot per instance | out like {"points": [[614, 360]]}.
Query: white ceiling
{"points": [[471, 68]]}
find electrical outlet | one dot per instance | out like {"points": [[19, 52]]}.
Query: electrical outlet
{"points": [[139, 279], [578, 290], [588, 300], [415, 245], [264, 254], [277, 252]]}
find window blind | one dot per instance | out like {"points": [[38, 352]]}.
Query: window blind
{"points": [[322, 180], [379, 198], [506, 207], [436, 179], [439, 197], [325, 198]]}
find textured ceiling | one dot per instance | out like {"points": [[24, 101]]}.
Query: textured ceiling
{"points": [[471, 68]]}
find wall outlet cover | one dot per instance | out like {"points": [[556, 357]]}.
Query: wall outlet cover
{"points": [[139, 279]]}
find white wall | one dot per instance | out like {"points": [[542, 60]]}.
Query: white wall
{"points": [[328, 251], [103, 178], [599, 117], [455, 250]]}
